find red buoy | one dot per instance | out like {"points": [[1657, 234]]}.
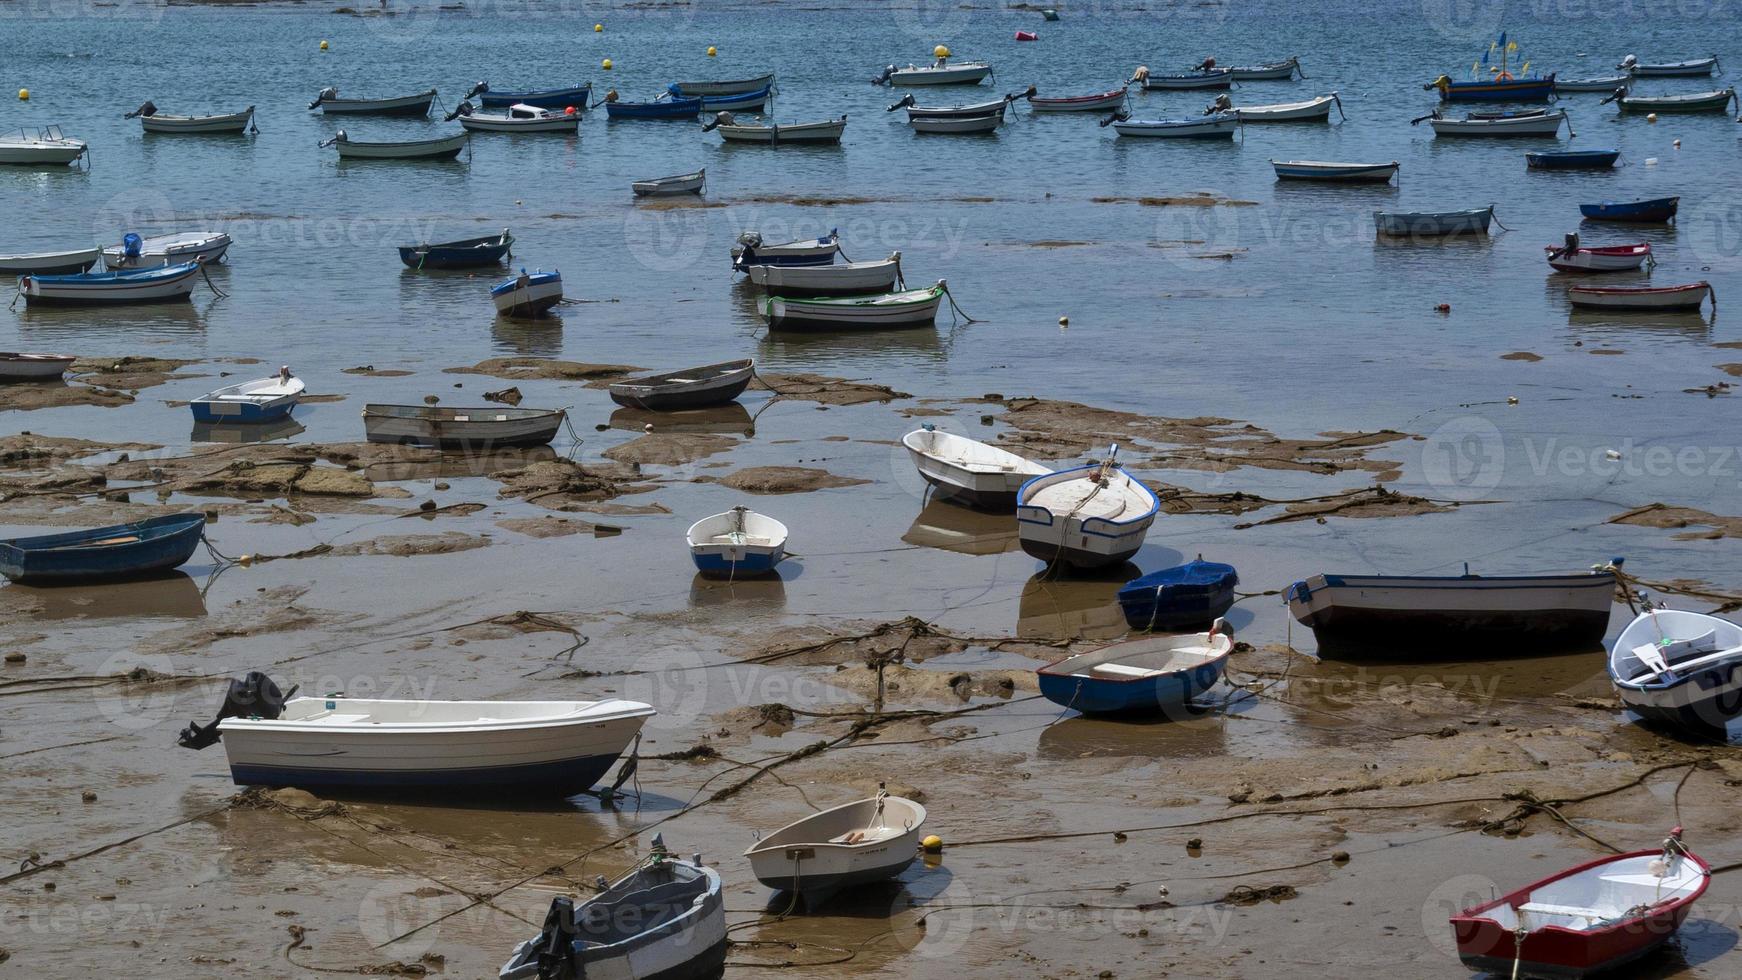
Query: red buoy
{"points": [[1027, 36]]}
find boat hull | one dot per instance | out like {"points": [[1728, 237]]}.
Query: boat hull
{"points": [[718, 88], [406, 105], [957, 126], [966, 75], [160, 544], [1094, 695], [829, 132], [52, 153], [161, 252], [1545, 125], [1212, 127], [1177, 83], [1174, 605], [799, 314], [1089, 103], [1091, 542], [1713, 102], [536, 297], [33, 367], [489, 429], [445, 148], [1341, 173], [1277, 72], [1513, 90], [1689, 297], [241, 413], [668, 186], [672, 398], [688, 946], [861, 279], [1387, 616], [560, 98], [1573, 160], [1312, 110], [1441, 224], [1604, 85], [235, 122], [50, 263], [1655, 211], [104, 289], [503, 124]]}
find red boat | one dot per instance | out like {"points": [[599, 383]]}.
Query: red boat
{"points": [[1572, 257], [1582, 921], [1077, 103]]}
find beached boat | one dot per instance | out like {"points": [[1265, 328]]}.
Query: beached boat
{"points": [[736, 86], [1587, 920], [736, 544], [1573, 257], [1325, 170], [975, 111], [1211, 78], [905, 310], [1571, 159], [465, 253], [329, 103], [135, 252], [940, 72], [1642, 298], [1501, 88], [529, 294], [1666, 69], [968, 471], [153, 121], [1182, 596], [1679, 668], [957, 125], [1099, 102], [1434, 224], [857, 843], [1088, 516], [664, 920], [775, 134], [749, 251], [1716, 101], [1654, 211], [116, 552], [1154, 673], [1400, 615], [493, 427], [251, 402], [15, 366], [517, 118], [695, 183], [574, 96], [1221, 125], [46, 147], [699, 387], [439, 148], [1604, 84], [50, 263], [1311, 110], [162, 284], [1530, 122], [841, 279]]}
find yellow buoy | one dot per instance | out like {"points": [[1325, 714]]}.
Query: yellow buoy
{"points": [[940, 52], [606, 64], [323, 45], [598, 28], [712, 51], [933, 843], [24, 95]]}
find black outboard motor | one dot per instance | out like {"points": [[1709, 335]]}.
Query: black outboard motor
{"points": [[463, 109], [325, 94], [555, 954], [883, 76], [906, 100], [254, 696], [722, 118], [747, 243], [148, 109], [478, 89]]}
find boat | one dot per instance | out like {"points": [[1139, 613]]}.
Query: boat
{"points": [[529, 294], [517, 118], [521, 748], [157, 285], [749, 251], [118, 551], [574, 96], [1573, 257], [153, 121], [695, 183], [135, 252], [1530, 122], [439, 148], [1155, 673], [493, 427], [1604, 83], [1587, 920], [736, 544], [1099, 102], [1665, 69], [1401, 615], [775, 134], [1679, 668], [1440, 224], [15, 366], [44, 147], [916, 111], [957, 126], [1221, 125], [329, 103], [968, 471], [1176, 81], [1088, 516], [1179, 597], [1500, 88], [699, 387], [253, 402], [50, 263], [1325, 170], [736, 86], [465, 253], [1571, 159], [1715, 101], [857, 843], [665, 919], [660, 108], [841, 279], [1311, 110], [905, 310], [938, 73], [1653, 211], [1647, 298], [1275, 71]]}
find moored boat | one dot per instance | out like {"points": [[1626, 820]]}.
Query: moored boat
{"points": [[1220, 125], [417, 104], [50, 263], [135, 252], [975, 111], [1668, 69], [906, 310], [749, 250], [1646, 298], [1325, 170], [517, 118], [1087, 517], [167, 283], [699, 387], [1605, 84], [1100, 102], [940, 72], [1501, 88], [839, 848], [529, 294], [1274, 71], [253, 402], [1715, 101], [1571, 159], [44, 147], [153, 121], [575, 96], [1654, 211], [1679, 668], [1209, 78], [1433, 224], [1154, 673], [15, 366], [464, 253], [493, 427], [737, 86], [957, 125], [695, 183], [840, 279], [1310, 110], [1182, 596], [736, 544], [438, 148], [828, 131], [1574, 257], [119, 551], [1530, 122], [968, 471]]}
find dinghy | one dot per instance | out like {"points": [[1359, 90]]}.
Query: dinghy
{"points": [[119, 551], [253, 402], [1717, 101], [957, 125], [1573, 257], [775, 134], [329, 103], [1155, 673], [575, 97], [1531, 122], [1587, 920], [665, 919], [1324, 170], [530, 294], [1221, 125], [1088, 517], [495, 427], [523, 748], [737, 544], [135, 252], [153, 121], [1667, 69], [1433, 224], [968, 471], [916, 111], [1679, 668], [906, 310], [159, 285], [662, 107], [749, 251], [1641, 298], [1275, 71], [700, 387], [841, 279], [1605, 84], [517, 118], [695, 183], [44, 147], [465, 253], [857, 843], [1571, 159], [1500, 88], [1100, 102], [938, 73], [1176, 81], [736, 86], [439, 148], [1655, 211], [1311, 110], [15, 366], [50, 263], [1182, 596]]}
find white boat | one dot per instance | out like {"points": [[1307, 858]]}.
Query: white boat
{"points": [[857, 843], [1111, 99], [817, 132], [44, 147], [1679, 668], [1088, 517], [135, 252], [518, 118], [1605, 83], [695, 183], [904, 310], [957, 126], [1654, 298], [1311, 110], [1219, 125], [916, 111], [155, 285], [1530, 122], [841, 279], [441, 427], [749, 251], [33, 367], [1573, 257], [1275, 71], [940, 72], [1433, 224], [1326, 170], [1154, 674], [1714, 101], [329, 103], [259, 401], [1665, 69], [50, 263], [156, 122], [1176, 81], [736, 86], [442, 147], [972, 472], [736, 544], [528, 294]]}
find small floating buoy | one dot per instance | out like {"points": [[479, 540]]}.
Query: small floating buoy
{"points": [[24, 95], [245, 560], [1064, 321], [711, 51], [1651, 161], [940, 52], [606, 64], [933, 844], [598, 28], [1611, 454], [1443, 308], [1651, 117], [1511, 399], [1027, 36], [323, 45], [647, 428], [1676, 143]]}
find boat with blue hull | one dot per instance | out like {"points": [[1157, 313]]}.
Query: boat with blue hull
{"points": [[1654, 211], [118, 551], [1148, 675], [251, 402], [749, 250], [672, 105], [1678, 668], [549, 98], [466, 253], [1571, 159], [1537, 88], [739, 543], [1182, 596]]}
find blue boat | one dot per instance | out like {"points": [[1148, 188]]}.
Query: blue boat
{"points": [[467, 253], [740, 102], [1536, 88], [114, 552], [1157, 673], [549, 98], [1655, 211], [737, 544], [1571, 159], [251, 402], [673, 105], [1186, 595]]}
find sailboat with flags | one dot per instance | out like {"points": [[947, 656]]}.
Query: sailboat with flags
{"points": [[1491, 82]]}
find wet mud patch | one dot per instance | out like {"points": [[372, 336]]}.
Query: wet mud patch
{"points": [[557, 527], [671, 448], [412, 545], [535, 368], [825, 390], [371, 371], [130, 373], [1667, 517], [565, 485], [782, 479], [29, 449], [1179, 201], [1521, 355], [31, 396]]}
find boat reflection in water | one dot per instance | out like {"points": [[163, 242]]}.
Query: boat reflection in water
{"points": [[1082, 606], [174, 595], [237, 434], [428, 464], [542, 337], [761, 592], [1197, 731], [952, 527], [729, 419]]}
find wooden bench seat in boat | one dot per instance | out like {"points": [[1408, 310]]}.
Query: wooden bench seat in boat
{"points": [[868, 835], [1122, 672]]}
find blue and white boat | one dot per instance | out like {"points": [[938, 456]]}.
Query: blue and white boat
{"points": [[1155, 673], [164, 284], [1680, 668], [1571, 159], [251, 402], [1192, 594], [1335, 172], [737, 544], [549, 98], [115, 552], [749, 251], [1088, 517], [1654, 211], [672, 105], [529, 294]]}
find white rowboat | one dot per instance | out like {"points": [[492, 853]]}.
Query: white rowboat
{"points": [[50, 263], [969, 471], [739, 86], [519, 118], [495, 427], [1605, 84], [942, 73], [914, 111], [1688, 297], [1348, 173], [842, 279], [143, 253], [156, 285], [1530, 123], [45, 147], [694, 183], [528, 294], [1680, 668], [155, 122], [1079, 103], [1667, 69], [1312, 110], [909, 309], [1273, 72], [957, 126], [857, 843], [443, 147], [1218, 126], [1572, 257], [33, 367], [736, 544], [817, 132], [1088, 517], [1715, 101], [1433, 224]]}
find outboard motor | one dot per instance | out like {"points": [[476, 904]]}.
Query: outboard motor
{"points": [[555, 942], [1222, 104], [478, 89], [906, 100], [325, 94], [747, 245], [1628, 63], [883, 76], [149, 108], [610, 95], [463, 109], [131, 244], [1208, 64], [722, 118], [675, 91], [254, 696]]}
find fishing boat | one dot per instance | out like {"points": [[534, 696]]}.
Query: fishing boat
{"points": [[465, 253], [1088, 516], [1154, 673], [695, 183], [1573, 257], [905, 310], [15, 366], [1665, 69], [1274, 71], [1099, 102], [1210, 78], [153, 121], [1654, 211], [737, 86], [841, 279], [1529, 122], [857, 843], [1325, 170], [1716, 101], [574, 96], [1433, 224], [44, 147], [737, 544], [530, 294], [775, 134], [1221, 125], [957, 125], [1604, 83], [439, 148], [135, 252], [699, 387], [916, 111], [251, 402], [665, 919], [1587, 920], [1398, 615], [119, 551], [1179, 597], [329, 103], [938, 73], [517, 118], [494, 427], [1679, 668], [1571, 159], [749, 251], [1311, 110], [50, 263], [1535, 88], [162, 284], [660, 108], [968, 471], [1641, 298]]}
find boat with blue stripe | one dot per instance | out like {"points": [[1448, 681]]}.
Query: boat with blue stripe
{"points": [[549, 98], [1148, 675], [251, 402], [1654, 211], [1192, 594], [1680, 668], [118, 551], [673, 105], [1571, 159], [737, 544]]}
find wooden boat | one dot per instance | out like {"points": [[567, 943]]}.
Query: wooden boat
{"points": [[1654, 211], [1571, 159], [1587, 920], [1679, 668], [517, 118], [737, 86], [529, 294], [116, 552], [1221, 125], [1210, 78], [1645, 298], [1605, 84], [440, 148], [749, 251], [660, 108], [1275, 71], [968, 471], [44, 147], [1088, 517], [938, 73], [906, 310], [1100, 102], [153, 121], [253, 402], [957, 126], [1533, 122], [775, 134], [1437, 224], [1400, 615], [135, 252], [50, 263], [916, 111], [158, 285], [1155, 673], [1666, 69], [574, 96], [857, 843], [465, 253], [695, 183], [1179, 597], [1311, 110], [736, 544], [1534, 88], [15, 366], [665, 919], [1716, 101], [1573, 257], [329, 103], [700, 387], [1347, 173], [493, 427], [841, 279]]}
